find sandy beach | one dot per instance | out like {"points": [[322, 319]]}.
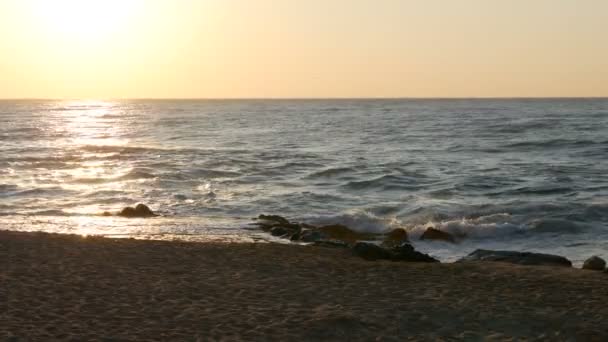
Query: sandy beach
{"points": [[59, 287]]}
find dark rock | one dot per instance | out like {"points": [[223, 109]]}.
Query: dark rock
{"points": [[279, 231], [280, 225], [343, 233], [331, 243], [311, 236], [141, 210], [369, 251], [521, 258], [395, 238], [106, 213], [296, 236], [274, 219], [594, 263], [438, 235], [406, 252]]}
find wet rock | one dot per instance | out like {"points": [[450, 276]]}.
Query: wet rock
{"points": [[521, 258], [437, 235], [406, 252], [594, 263], [106, 213], [343, 233], [395, 238], [369, 251], [296, 236], [278, 226], [279, 231], [312, 236], [274, 219], [141, 210]]}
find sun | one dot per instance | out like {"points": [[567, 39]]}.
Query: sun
{"points": [[84, 19]]}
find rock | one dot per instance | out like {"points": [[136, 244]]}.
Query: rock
{"points": [[594, 263], [279, 231], [106, 213], [438, 235], [141, 210], [343, 233], [296, 236], [278, 225], [331, 244], [276, 219], [395, 238], [311, 236], [521, 258], [406, 252], [369, 251]]}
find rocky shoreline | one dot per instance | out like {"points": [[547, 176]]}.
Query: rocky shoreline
{"points": [[396, 246]]}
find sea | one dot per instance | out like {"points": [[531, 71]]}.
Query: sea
{"points": [[508, 174]]}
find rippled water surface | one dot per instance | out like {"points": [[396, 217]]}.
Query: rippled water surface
{"points": [[514, 174]]}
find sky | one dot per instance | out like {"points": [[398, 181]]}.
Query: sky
{"points": [[303, 49]]}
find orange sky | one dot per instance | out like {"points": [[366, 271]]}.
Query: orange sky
{"points": [[293, 48]]}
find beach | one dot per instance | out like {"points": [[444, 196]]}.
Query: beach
{"points": [[68, 287]]}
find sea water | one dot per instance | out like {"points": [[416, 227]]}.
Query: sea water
{"points": [[517, 174]]}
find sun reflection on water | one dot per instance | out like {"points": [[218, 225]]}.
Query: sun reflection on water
{"points": [[94, 123]]}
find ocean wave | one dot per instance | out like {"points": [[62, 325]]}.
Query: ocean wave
{"points": [[143, 173], [597, 211], [40, 191], [498, 225], [541, 190], [555, 226], [214, 173], [553, 143], [8, 188], [331, 172], [44, 212], [358, 220], [134, 174], [520, 127], [386, 182], [483, 227]]}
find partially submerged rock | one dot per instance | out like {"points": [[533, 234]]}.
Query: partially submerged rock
{"points": [[310, 236], [521, 258], [395, 238], [279, 231], [405, 252], [140, 211], [273, 219], [343, 233], [395, 247], [594, 263], [279, 226], [437, 235]]}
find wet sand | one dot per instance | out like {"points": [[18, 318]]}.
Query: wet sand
{"points": [[58, 287]]}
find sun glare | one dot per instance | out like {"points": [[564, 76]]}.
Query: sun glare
{"points": [[84, 19]]}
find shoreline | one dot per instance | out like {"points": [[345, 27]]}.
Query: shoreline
{"points": [[74, 287]]}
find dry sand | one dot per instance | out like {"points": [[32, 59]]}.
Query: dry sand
{"points": [[81, 289]]}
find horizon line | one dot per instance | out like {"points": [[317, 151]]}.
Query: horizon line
{"points": [[300, 98]]}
